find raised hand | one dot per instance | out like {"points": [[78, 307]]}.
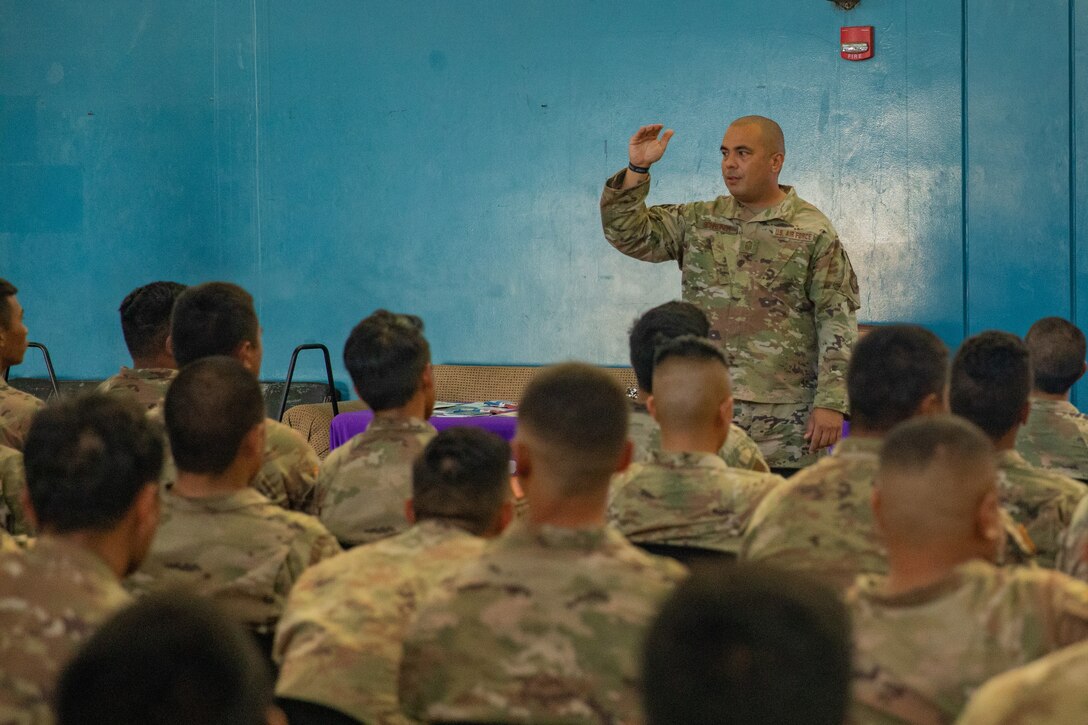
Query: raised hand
{"points": [[645, 147]]}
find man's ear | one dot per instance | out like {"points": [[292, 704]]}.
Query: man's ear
{"points": [[777, 160], [253, 442], [410, 510], [246, 353], [725, 412], [651, 406], [426, 380], [523, 464], [626, 456], [146, 511], [1024, 413], [988, 524], [168, 345]]}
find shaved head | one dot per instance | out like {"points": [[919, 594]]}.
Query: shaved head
{"points": [[773, 139], [691, 382], [934, 474]]}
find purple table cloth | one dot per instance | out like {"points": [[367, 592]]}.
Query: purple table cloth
{"points": [[347, 425]]}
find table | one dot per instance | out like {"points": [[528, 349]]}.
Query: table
{"points": [[347, 425]]}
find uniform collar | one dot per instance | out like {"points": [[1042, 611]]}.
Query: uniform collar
{"points": [[522, 535], [1059, 406], [409, 425], [73, 556], [688, 459], [856, 447], [148, 373], [233, 501], [784, 209], [1011, 459]]}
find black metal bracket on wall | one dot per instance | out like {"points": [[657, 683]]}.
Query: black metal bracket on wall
{"points": [[291, 375]]}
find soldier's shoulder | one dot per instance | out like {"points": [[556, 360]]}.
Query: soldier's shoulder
{"points": [[9, 457], [283, 436], [13, 398]]}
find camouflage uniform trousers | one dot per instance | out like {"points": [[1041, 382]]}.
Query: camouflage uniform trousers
{"points": [[779, 431]]}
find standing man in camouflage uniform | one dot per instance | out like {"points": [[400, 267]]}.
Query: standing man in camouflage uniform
{"points": [[145, 322], [367, 480], [218, 318], [16, 407], [769, 271], [219, 537], [548, 625], [685, 495], [945, 619], [92, 464], [649, 332], [1056, 434], [990, 386], [340, 640]]}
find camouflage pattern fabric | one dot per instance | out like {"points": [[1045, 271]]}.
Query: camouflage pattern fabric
{"points": [[780, 430], [687, 499], [147, 385], [1048, 691], [1073, 554], [739, 451], [17, 409], [13, 517], [52, 599], [1055, 438], [339, 641], [920, 654], [7, 542], [821, 521], [368, 480], [289, 474], [239, 549], [777, 286], [546, 627], [1041, 501]]}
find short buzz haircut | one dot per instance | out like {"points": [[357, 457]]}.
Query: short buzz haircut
{"points": [[462, 476], [991, 381], [747, 643], [213, 318], [689, 347], [145, 317], [769, 130], [580, 413], [915, 444], [386, 355], [892, 370], [169, 659], [210, 407], [657, 326], [7, 291], [87, 459], [1057, 349]]}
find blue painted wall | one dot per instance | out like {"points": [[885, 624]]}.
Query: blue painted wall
{"points": [[446, 158]]}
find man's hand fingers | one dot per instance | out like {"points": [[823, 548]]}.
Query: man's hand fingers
{"points": [[665, 138], [810, 428]]}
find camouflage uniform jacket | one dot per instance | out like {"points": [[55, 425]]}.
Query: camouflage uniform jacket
{"points": [[239, 549], [738, 451], [1055, 438], [52, 599], [687, 499], [12, 484], [289, 474], [778, 286], [1041, 501], [147, 385], [17, 409], [368, 479], [1048, 691], [546, 627], [821, 520], [919, 655], [339, 641]]}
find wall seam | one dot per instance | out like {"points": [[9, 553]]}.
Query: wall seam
{"points": [[257, 161], [1072, 161], [964, 169]]}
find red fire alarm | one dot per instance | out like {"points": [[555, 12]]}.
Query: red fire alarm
{"points": [[857, 42]]}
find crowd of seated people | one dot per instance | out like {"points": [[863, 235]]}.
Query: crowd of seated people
{"points": [[170, 555]]}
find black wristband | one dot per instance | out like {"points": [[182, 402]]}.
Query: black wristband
{"points": [[638, 169]]}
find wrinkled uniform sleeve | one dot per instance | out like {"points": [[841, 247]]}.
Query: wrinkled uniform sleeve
{"points": [[1073, 553], [833, 289], [654, 234]]}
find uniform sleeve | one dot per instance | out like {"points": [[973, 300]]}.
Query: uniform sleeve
{"points": [[654, 234], [740, 451], [12, 483], [1070, 606], [833, 289], [1073, 552]]}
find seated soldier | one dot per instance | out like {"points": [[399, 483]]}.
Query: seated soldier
{"points": [[658, 326], [547, 626], [1056, 434], [16, 407], [13, 518], [218, 318], [219, 537], [945, 619], [168, 660], [91, 469], [685, 495], [367, 480], [820, 522], [145, 322], [748, 644], [991, 382], [339, 642]]}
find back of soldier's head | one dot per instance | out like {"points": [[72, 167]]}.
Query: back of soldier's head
{"points": [[145, 317], [892, 371], [658, 326], [991, 381], [87, 459], [386, 355], [213, 318], [934, 473], [1057, 349], [170, 659], [462, 476], [748, 644], [7, 291], [210, 407], [691, 382], [575, 417]]}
